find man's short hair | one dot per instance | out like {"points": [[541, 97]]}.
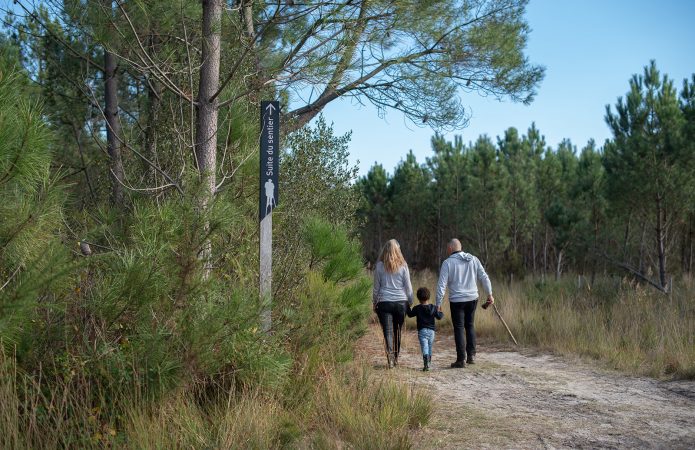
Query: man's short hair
{"points": [[454, 245], [423, 294]]}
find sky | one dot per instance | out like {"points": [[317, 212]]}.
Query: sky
{"points": [[589, 48]]}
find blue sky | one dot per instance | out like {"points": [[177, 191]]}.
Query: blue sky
{"points": [[590, 50]]}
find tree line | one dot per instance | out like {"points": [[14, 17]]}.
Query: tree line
{"points": [[526, 208], [129, 177]]}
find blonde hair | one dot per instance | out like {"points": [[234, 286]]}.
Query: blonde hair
{"points": [[391, 256]]}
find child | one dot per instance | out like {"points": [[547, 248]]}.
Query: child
{"points": [[425, 314]]}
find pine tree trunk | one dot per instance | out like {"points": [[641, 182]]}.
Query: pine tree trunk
{"points": [[207, 110], [626, 237], [640, 266], [439, 237], [545, 252], [533, 252], [690, 242], [660, 241], [558, 269], [113, 126], [593, 258], [154, 92]]}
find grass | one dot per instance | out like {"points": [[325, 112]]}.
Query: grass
{"points": [[629, 327], [346, 405]]}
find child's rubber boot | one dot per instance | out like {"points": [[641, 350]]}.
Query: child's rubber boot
{"points": [[426, 361]]}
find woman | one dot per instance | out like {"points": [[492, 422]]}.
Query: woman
{"points": [[392, 289]]}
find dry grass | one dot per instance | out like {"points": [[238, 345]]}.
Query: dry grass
{"points": [[345, 405], [370, 413], [630, 327]]}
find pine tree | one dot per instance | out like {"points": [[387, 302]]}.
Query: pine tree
{"points": [[589, 196], [485, 206], [32, 258], [522, 201], [687, 104], [448, 169], [646, 160], [374, 210], [410, 208]]}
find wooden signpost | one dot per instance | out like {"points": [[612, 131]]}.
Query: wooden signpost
{"points": [[268, 200]]}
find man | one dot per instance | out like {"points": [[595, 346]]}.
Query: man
{"points": [[459, 272]]}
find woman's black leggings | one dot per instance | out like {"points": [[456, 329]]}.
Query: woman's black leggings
{"points": [[391, 317]]}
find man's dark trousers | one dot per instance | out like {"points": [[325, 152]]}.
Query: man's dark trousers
{"points": [[462, 316]]}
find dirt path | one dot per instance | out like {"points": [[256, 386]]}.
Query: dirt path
{"points": [[523, 400]]}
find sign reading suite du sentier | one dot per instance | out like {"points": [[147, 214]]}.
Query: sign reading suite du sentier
{"points": [[270, 152]]}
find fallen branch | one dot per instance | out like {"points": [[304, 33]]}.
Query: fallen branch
{"points": [[638, 274]]}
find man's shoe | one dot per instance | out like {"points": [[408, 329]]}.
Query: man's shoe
{"points": [[458, 365], [470, 360]]}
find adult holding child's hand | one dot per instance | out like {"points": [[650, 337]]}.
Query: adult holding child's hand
{"points": [[391, 294], [459, 273]]}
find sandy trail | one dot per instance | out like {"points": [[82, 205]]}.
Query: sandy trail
{"points": [[524, 400]]}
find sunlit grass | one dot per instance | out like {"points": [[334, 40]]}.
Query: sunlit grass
{"points": [[628, 326]]}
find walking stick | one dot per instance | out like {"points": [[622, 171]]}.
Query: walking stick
{"points": [[505, 324]]}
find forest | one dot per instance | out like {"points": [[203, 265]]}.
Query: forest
{"points": [[625, 207], [130, 314], [129, 243]]}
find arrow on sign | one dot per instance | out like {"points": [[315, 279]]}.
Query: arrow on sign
{"points": [[270, 108]]}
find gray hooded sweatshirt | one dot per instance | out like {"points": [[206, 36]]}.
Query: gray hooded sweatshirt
{"points": [[459, 272]]}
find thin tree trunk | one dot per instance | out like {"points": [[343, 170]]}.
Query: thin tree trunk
{"points": [[380, 233], [439, 236], [660, 242], [207, 110], [593, 259], [77, 133], [626, 237], [640, 266], [113, 125], [154, 92], [690, 241], [558, 269], [545, 252], [248, 18], [533, 252]]}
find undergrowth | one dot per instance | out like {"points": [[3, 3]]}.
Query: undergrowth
{"points": [[626, 325]]}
